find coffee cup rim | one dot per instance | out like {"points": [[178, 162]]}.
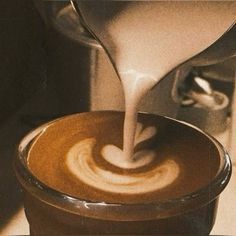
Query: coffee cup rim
{"points": [[96, 209]]}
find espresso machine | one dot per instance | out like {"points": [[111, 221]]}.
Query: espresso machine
{"points": [[77, 76]]}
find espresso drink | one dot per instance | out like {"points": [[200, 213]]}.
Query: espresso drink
{"points": [[71, 187], [69, 156]]}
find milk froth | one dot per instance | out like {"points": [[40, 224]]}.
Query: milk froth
{"points": [[80, 162]]}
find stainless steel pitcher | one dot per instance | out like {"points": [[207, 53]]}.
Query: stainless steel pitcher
{"points": [[92, 81]]}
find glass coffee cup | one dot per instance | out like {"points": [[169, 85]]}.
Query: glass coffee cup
{"points": [[50, 211]]}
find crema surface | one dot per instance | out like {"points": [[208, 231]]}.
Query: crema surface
{"points": [[71, 155]]}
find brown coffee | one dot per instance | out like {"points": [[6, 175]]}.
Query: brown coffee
{"points": [[184, 161], [175, 192]]}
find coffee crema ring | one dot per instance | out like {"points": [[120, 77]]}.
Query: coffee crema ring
{"points": [[80, 163]]}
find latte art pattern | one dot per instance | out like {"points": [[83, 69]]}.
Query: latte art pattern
{"points": [[81, 164], [117, 157], [68, 156]]}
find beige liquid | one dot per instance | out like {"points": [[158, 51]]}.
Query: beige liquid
{"points": [[146, 40]]}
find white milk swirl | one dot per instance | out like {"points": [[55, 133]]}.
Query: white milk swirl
{"points": [[81, 164]]}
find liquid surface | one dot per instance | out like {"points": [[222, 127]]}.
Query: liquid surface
{"points": [[68, 156], [147, 39]]}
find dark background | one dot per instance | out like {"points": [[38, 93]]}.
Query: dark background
{"points": [[22, 55], [22, 78], [43, 75]]}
